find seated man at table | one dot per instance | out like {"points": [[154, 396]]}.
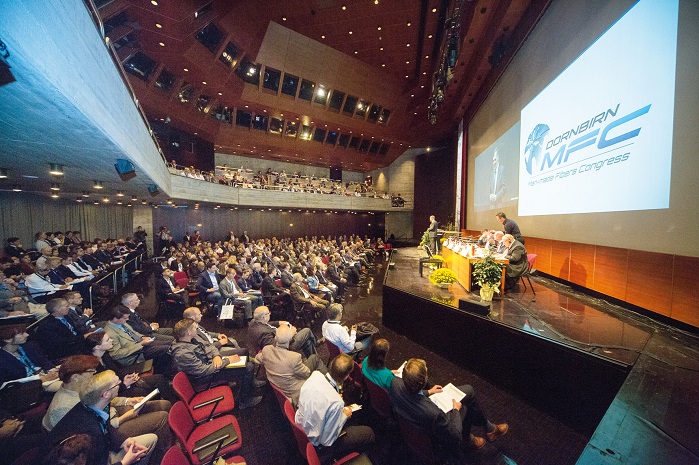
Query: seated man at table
{"points": [[262, 333], [517, 255], [411, 401]]}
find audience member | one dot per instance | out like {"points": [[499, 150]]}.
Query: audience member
{"points": [[322, 413], [225, 345], [518, 263], [374, 365], [411, 401], [262, 333], [344, 338], [18, 359], [56, 336]]}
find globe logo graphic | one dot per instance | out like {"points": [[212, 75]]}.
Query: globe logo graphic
{"points": [[535, 145]]}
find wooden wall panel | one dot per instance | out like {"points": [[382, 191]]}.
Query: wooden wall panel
{"points": [[560, 259], [685, 290], [582, 264], [611, 268], [542, 249], [649, 281]]}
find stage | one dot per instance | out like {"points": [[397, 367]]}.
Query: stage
{"points": [[627, 382]]}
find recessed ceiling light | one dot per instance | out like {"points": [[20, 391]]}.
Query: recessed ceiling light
{"points": [[3, 173], [161, 44], [16, 188], [383, 65], [407, 62], [220, 93], [55, 169], [376, 2], [355, 52], [283, 18], [203, 82], [322, 37], [409, 24], [158, 25], [344, 7], [350, 32], [427, 57], [378, 28], [406, 76], [186, 70], [55, 195], [154, 3], [412, 95], [407, 45], [424, 72], [55, 186], [28, 176], [381, 49], [246, 106], [429, 36], [434, 10], [422, 86]]}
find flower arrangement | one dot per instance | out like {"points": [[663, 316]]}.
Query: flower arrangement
{"points": [[443, 276], [487, 273], [425, 239], [438, 257]]}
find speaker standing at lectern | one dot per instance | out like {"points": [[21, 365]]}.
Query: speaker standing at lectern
{"points": [[432, 231]]}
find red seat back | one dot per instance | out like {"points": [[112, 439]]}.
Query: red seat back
{"points": [[333, 350], [531, 258], [281, 397], [299, 434], [183, 388], [179, 275], [180, 422], [175, 456], [379, 399], [418, 441]]}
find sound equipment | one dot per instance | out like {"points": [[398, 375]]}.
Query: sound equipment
{"points": [[125, 169]]}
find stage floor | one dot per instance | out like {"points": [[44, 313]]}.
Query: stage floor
{"points": [[654, 417]]}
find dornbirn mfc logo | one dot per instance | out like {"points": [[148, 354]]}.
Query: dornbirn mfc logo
{"points": [[559, 149]]}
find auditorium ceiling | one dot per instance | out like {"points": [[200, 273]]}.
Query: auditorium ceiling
{"points": [[337, 83]]}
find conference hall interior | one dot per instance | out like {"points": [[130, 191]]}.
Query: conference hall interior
{"points": [[496, 196]]}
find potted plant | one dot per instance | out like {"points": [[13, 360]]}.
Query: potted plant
{"points": [[487, 273], [443, 277]]}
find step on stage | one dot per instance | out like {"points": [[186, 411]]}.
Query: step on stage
{"points": [[629, 383]]}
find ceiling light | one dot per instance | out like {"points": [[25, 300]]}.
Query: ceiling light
{"points": [[55, 196], [350, 32], [424, 72], [409, 24], [129, 205], [434, 10], [98, 185], [105, 200], [186, 70], [429, 36], [3, 173], [406, 76], [96, 202], [344, 7], [16, 188], [158, 25], [376, 2], [161, 44], [381, 49], [119, 202], [78, 199], [154, 3], [220, 93], [407, 62], [322, 37], [426, 57], [203, 82], [86, 194], [355, 52], [283, 18], [56, 169], [55, 186], [407, 45], [383, 65], [144, 201], [378, 28], [120, 193]]}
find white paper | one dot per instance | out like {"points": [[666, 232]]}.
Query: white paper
{"points": [[240, 364], [443, 399], [355, 407], [20, 380], [399, 371], [152, 394]]}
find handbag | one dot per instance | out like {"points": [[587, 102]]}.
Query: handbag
{"points": [[21, 396], [365, 330]]}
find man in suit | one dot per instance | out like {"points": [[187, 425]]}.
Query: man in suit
{"points": [[432, 232], [40, 287], [56, 336], [89, 416], [262, 333], [167, 289], [231, 291], [14, 247], [226, 346], [497, 182], [286, 276], [517, 255], [286, 369], [80, 318], [208, 285], [140, 324], [130, 346], [304, 300], [510, 227], [411, 401]]}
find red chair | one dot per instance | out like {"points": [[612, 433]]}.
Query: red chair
{"points": [[312, 457], [178, 275], [333, 351], [188, 434], [378, 397], [203, 405], [531, 258], [299, 434], [175, 456], [418, 441], [281, 397]]}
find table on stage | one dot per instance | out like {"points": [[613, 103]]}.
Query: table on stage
{"points": [[463, 267]]}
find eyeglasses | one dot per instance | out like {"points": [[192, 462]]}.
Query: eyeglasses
{"points": [[90, 371], [116, 385]]}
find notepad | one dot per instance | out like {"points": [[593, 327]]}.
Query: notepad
{"points": [[239, 364]]}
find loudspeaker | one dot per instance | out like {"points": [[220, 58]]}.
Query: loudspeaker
{"points": [[153, 190], [474, 306], [125, 169]]}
